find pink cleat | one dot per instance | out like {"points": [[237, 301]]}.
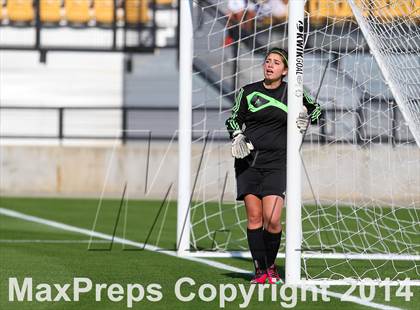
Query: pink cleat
{"points": [[272, 275], [260, 277]]}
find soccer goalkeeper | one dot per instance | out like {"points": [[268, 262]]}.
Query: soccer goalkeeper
{"points": [[260, 158]]}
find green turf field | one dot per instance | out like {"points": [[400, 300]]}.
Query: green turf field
{"points": [[51, 255]]}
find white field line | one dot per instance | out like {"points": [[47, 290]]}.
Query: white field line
{"points": [[56, 241], [83, 231], [119, 240]]}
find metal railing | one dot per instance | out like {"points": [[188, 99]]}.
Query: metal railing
{"points": [[128, 123]]}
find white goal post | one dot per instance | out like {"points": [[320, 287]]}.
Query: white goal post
{"points": [[185, 122], [294, 138]]}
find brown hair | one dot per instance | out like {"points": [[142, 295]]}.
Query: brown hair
{"points": [[279, 51]]}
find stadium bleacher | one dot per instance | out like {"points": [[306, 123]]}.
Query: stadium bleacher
{"points": [[137, 12], [84, 12]]}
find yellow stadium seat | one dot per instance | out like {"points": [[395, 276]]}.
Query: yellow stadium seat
{"points": [[136, 11], [20, 11], [416, 10], [164, 2], [103, 11], [77, 11], [50, 11], [343, 10], [388, 10]]}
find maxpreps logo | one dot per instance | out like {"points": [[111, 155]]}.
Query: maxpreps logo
{"points": [[299, 51]]}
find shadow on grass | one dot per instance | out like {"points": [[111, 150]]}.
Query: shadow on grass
{"points": [[248, 276]]}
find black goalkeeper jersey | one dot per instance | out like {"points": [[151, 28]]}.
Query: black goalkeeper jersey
{"points": [[263, 113]]}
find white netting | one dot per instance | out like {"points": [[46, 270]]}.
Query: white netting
{"points": [[361, 188], [393, 34]]}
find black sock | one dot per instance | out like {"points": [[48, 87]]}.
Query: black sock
{"points": [[272, 245], [257, 248]]}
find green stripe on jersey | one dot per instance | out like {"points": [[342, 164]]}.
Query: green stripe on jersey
{"points": [[269, 102], [309, 98], [238, 101], [316, 113], [232, 119]]}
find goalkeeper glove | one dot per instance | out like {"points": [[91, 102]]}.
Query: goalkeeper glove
{"points": [[302, 120], [241, 146]]}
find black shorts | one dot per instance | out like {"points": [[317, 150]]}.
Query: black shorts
{"points": [[260, 182]]}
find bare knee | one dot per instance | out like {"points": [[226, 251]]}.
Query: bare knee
{"points": [[274, 226], [273, 206], [255, 221]]}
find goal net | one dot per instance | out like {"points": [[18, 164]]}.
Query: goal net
{"points": [[361, 162]]}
